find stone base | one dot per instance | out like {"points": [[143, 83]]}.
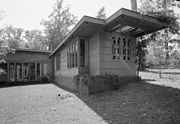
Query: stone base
{"points": [[93, 84]]}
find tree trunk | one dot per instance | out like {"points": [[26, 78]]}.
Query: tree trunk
{"points": [[160, 73], [139, 63]]}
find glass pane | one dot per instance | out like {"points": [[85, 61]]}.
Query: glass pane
{"points": [[12, 72], [25, 69], [128, 42], [119, 41], [32, 71], [76, 46], [124, 51], [19, 71], [124, 42], [82, 53], [38, 71]]}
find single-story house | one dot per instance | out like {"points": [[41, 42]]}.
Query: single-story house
{"points": [[96, 46], [26, 65]]}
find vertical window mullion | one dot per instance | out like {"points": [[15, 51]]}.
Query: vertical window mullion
{"points": [[76, 52], [113, 48], [68, 56], [124, 49], [129, 50], [59, 60]]}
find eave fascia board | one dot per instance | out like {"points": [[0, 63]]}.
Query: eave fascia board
{"points": [[84, 19]]}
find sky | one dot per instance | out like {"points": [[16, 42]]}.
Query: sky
{"points": [[28, 14]]}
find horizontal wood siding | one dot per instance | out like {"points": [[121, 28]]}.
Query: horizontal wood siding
{"points": [[64, 76], [28, 56], [94, 54], [120, 67]]}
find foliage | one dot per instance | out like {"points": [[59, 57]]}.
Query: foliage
{"points": [[140, 53], [58, 25], [158, 51], [175, 59], [12, 37], [101, 13], [45, 79], [156, 56], [35, 40]]}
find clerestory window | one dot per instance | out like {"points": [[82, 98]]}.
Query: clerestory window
{"points": [[72, 55]]}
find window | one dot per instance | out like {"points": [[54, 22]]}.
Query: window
{"points": [[68, 57], [12, 71], [82, 53], [126, 49], [116, 48], [72, 55], [58, 62]]}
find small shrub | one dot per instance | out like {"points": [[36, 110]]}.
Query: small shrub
{"points": [[76, 80], [45, 79]]}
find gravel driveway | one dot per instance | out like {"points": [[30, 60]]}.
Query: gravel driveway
{"points": [[135, 103], [43, 104]]}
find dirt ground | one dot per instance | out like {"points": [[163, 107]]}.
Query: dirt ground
{"points": [[135, 103]]}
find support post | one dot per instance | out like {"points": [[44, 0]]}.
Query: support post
{"points": [[35, 71], [22, 71], [29, 71], [8, 75], [40, 71], [15, 71], [78, 54]]}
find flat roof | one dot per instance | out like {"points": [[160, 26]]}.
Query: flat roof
{"points": [[32, 50], [123, 21]]}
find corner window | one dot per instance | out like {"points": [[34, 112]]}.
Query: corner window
{"points": [[58, 61], [72, 55], [82, 53]]}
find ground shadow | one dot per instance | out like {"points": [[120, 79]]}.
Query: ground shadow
{"points": [[149, 79], [64, 88], [137, 103], [15, 84]]}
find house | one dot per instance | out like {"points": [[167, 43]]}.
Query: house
{"points": [[26, 66], [95, 46]]}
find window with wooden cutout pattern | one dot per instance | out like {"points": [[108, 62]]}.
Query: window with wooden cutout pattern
{"points": [[116, 48]]}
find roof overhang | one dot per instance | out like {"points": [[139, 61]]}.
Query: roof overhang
{"points": [[85, 27], [127, 21], [123, 21]]}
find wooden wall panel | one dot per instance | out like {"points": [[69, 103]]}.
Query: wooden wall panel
{"points": [[68, 72], [94, 55], [28, 56], [119, 72], [120, 67]]}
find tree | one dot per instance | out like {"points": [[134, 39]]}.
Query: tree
{"points": [[3, 45], [163, 10], [35, 40], [101, 13], [12, 37], [58, 25]]}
